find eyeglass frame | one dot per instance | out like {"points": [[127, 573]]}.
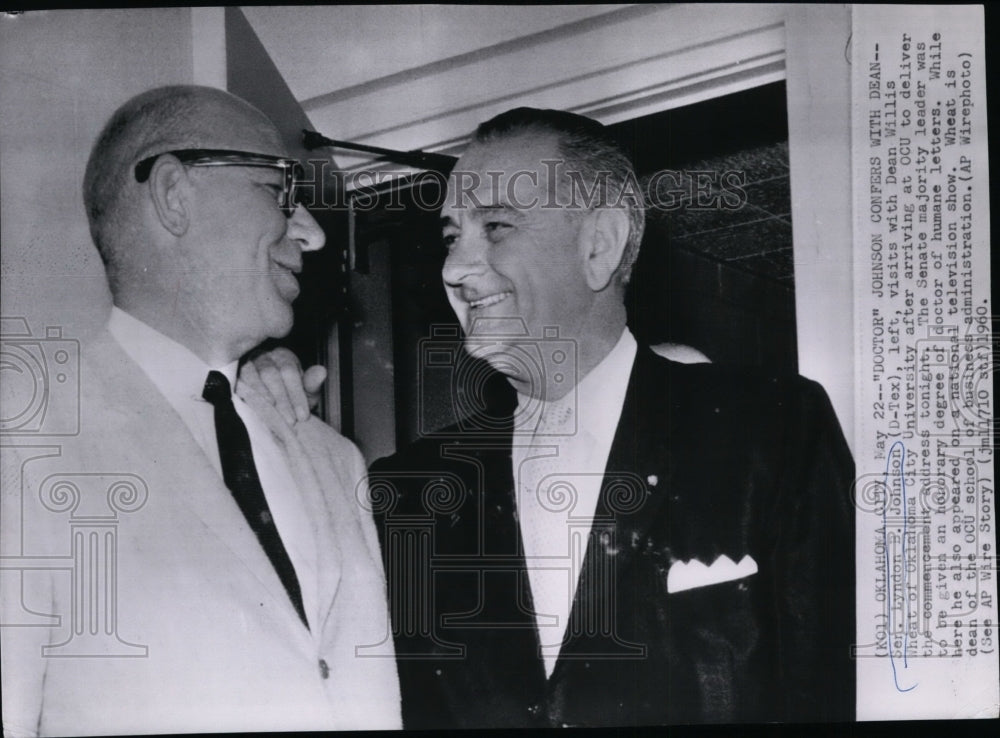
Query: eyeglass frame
{"points": [[290, 168]]}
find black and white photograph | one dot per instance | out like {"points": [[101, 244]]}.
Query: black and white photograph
{"points": [[458, 367]]}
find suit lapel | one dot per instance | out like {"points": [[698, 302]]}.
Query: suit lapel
{"points": [[172, 461], [328, 561], [329, 530], [638, 478], [514, 607], [506, 597], [635, 494]]}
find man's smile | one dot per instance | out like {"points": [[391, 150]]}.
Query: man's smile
{"points": [[493, 299]]}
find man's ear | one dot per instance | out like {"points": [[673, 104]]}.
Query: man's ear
{"points": [[605, 236], [167, 183]]}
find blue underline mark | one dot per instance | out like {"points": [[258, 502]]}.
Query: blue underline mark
{"points": [[888, 567]]}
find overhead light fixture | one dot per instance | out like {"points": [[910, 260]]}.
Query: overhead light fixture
{"points": [[421, 159]]}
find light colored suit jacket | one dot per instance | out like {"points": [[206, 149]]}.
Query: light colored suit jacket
{"points": [[136, 598]]}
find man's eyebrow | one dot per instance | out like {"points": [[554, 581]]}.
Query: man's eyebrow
{"points": [[484, 211]]}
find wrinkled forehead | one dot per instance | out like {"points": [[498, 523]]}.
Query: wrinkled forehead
{"points": [[517, 171]]}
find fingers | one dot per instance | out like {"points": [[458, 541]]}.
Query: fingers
{"points": [[249, 379], [291, 378], [312, 383], [257, 378], [280, 376]]}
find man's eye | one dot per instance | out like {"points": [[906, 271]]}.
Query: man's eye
{"points": [[275, 189], [448, 239], [496, 228]]}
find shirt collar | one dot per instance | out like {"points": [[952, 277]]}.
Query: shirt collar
{"points": [[173, 368], [599, 396]]}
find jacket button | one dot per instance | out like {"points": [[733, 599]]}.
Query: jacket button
{"points": [[324, 669], [534, 710]]}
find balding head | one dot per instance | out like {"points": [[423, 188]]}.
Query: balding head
{"points": [[161, 119], [203, 242]]}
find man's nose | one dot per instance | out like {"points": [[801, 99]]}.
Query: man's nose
{"points": [[466, 258], [304, 231]]}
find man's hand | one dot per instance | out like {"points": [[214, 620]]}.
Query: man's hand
{"points": [[278, 376]]}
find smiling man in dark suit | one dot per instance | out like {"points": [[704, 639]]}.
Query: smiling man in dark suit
{"points": [[633, 541], [637, 541]]}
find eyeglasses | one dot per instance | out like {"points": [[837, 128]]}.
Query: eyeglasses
{"points": [[291, 170]]}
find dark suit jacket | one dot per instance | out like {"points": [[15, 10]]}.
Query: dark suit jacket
{"points": [[705, 461]]}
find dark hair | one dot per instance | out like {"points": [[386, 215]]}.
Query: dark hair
{"points": [[591, 153]]}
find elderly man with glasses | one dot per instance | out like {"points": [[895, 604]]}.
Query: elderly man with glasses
{"points": [[241, 580]]}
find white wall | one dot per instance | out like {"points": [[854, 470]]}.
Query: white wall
{"points": [[819, 149], [613, 64], [62, 74]]}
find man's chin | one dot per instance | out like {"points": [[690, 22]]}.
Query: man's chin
{"points": [[281, 322], [485, 327], [514, 363]]}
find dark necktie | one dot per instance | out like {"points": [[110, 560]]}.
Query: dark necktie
{"points": [[240, 475]]}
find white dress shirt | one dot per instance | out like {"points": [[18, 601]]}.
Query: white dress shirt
{"points": [[559, 453], [180, 376]]}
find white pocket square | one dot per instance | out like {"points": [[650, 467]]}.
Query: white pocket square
{"points": [[690, 574]]}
